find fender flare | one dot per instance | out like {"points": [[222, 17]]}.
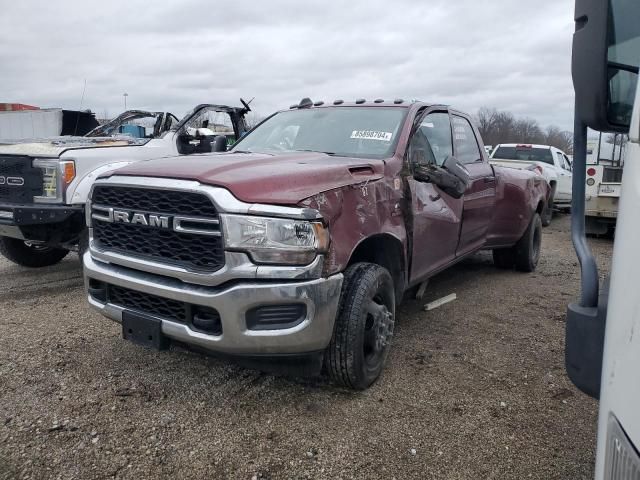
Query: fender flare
{"points": [[83, 188]]}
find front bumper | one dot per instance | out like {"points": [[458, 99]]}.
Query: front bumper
{"points": [[232, 302], [34, 222]]}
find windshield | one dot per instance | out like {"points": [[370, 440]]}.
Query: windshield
{"points": [[342, 131], [529, 154]]}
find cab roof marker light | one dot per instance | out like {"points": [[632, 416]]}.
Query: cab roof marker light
{"points": [[305, 103], [360, 101], [318, 104], [398, 101], [338, 102], [378, 100]]}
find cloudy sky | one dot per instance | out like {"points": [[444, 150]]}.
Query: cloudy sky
{"points": [[507, 54]]}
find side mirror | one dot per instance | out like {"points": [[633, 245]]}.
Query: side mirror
{"points": [[584, 343], [605, 62], [452, 165], [448, 182]]}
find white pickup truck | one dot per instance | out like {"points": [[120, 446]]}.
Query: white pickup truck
{"points": [[551, 162], [44, 184]]}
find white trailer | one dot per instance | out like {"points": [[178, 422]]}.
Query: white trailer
{"points": [[19, 125], [22, 124]]}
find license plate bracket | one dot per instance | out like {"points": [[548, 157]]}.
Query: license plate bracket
{"points": [[143, 330]]}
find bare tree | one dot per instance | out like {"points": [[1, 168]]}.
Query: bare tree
{"points": [[252, 119], [503, 127]]}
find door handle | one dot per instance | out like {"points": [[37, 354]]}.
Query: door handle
{"points": [[489, 179]]}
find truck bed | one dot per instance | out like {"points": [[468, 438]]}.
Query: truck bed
{"points": [[519, 164]]}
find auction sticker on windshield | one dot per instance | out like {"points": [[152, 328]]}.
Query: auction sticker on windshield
{"points": [[372, 135]]}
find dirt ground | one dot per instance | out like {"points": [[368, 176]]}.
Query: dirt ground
{"points": [[473, 390]]}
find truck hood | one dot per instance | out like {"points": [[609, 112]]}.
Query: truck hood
{"points": [[54, 147], [284, 179]]}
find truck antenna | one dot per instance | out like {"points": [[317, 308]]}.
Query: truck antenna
{"points": [[84, 88]]}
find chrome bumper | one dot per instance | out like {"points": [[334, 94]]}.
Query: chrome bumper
{"points": [[320, 296]]}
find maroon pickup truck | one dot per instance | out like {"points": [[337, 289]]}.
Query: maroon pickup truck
{"points": [[297, 244]]}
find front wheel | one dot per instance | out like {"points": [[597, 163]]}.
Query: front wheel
{"points": [[30, 255], [363, 328]]}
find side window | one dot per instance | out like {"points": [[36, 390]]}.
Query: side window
{"points": [[431, 142], [467, 150], [560, 160], [567, 163]]}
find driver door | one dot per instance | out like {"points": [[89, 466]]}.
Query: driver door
{"points": [[435, 215]]}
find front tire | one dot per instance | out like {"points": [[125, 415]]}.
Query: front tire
{"points": [[363, 328], [30, 255]]}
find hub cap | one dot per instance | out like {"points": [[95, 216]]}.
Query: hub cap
{"points": [[378, 331]]}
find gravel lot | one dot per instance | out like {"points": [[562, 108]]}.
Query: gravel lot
{"points": [[475, 389]]}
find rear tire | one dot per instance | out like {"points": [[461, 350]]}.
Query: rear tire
{"points": [[525, 254], [363, 328], [32, 256], [527, 250]]}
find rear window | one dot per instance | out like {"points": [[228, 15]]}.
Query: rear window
{"points": [[528, 154]]}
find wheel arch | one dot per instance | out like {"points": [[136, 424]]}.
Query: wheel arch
{"points": [[388, 251]]}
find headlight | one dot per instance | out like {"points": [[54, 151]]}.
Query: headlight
{"points": [[56, 177], [591, 182], [275, 240]]}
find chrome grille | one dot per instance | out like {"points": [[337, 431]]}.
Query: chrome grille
{"points": [[182, 242], [19, 181], [155, 200]]}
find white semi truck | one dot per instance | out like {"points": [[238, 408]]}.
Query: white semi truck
{"points": [[603, 328]]}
